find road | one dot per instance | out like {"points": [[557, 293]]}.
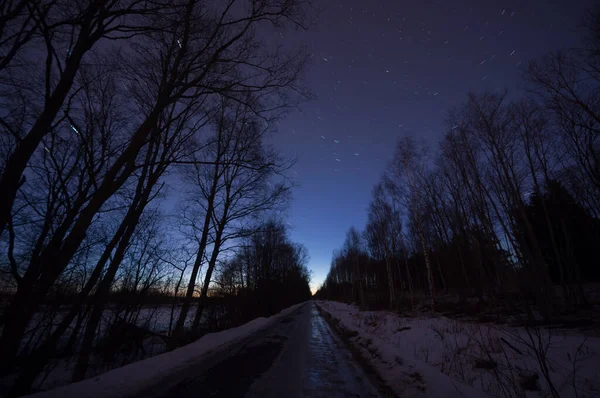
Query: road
{"points": [[298, 356]]}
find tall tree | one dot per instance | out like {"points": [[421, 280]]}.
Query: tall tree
{"points": [[171, 75], [409, 168], [353, 250]]}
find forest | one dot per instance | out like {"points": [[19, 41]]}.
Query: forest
{"points": [[502, 216], [139, 198]]}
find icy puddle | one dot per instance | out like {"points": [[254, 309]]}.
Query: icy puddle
{"points": [[313, 363], [331, 370]]}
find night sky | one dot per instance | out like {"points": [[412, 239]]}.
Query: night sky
{"points": [[382, 69]]}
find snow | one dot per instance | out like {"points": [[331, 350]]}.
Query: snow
{"points": [[427, 356], [131, 379]]}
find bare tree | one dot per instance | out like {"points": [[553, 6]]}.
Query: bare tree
{"points": [[567, 83], [246, 191], [168, 84], [409, 167], [352, 249], [55, 27], [380, 236]]}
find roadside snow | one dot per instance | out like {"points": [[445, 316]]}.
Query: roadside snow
{"points": [[131, 379], [441, 357]]}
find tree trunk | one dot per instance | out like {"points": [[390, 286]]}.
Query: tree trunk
{"points": [[177, 286], [409, 277], [427, 260], [202, 245], [99, 303], [18, 316], [390, 282], [444, 287], [70, 346], [209, 271]]}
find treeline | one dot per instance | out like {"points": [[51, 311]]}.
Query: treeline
{"points": [[113, 116], [268, 274], [505, 211]]}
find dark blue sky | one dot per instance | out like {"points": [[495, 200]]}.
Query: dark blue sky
{"points": [[382, 69]]}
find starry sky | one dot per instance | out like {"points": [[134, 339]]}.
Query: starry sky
{"points": [[381, 69]]}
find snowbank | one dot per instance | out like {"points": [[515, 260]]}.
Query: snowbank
{"points": [[131, 379], [441, 357]]}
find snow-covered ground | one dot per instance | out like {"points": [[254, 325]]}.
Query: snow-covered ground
{"points": [[440, 357], [133, 378]]}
